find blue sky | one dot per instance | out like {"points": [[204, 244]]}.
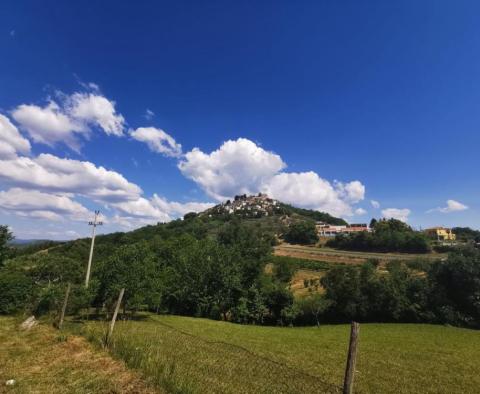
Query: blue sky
{"points": [[326, 105]]}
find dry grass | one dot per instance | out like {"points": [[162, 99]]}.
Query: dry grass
{"points": [[44, 360], [346, 257], [297, 284]]}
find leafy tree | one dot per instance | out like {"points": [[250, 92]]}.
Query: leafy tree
{"points": [[455, 288], [466, 234], [313, 307], [303, 233], [16, 290], [133, 268], [5, 237], [388, 236]]}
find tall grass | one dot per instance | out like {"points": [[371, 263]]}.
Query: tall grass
{"points": [[185, 363]]}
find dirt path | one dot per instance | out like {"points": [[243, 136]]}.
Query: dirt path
{"points": [[44, 360]]}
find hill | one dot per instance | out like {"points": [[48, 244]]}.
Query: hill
{"points": [[258, 206], [257, 212]]}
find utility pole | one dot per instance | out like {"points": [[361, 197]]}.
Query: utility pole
{"points": [[95, 223]]}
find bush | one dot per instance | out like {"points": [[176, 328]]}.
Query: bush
{"points": [[303, 233], [16, 290]]}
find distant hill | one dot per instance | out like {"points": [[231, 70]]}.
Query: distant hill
{"points": [[17, 241]]}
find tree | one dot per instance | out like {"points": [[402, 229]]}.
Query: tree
{"points": [[5, 237], [314, 306], [17, 289], [303, 233], [133, 268], [455, 288]]}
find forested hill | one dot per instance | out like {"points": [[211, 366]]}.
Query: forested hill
{"points": [[270, 217]]}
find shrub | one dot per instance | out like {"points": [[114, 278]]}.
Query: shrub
{"points": [[303, 233]]}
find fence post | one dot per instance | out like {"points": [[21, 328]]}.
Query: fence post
{"points": [[114, 317], [352, 359], [64, 306]]}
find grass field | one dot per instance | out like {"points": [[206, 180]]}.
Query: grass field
{"points": [[198, 355], [329, 255], [44, 360]]}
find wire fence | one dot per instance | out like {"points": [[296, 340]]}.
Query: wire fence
{"points": [[182, 362]]}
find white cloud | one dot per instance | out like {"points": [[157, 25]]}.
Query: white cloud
{"points": [[452, 206], [360, 211], [142, 208], [177, 209], [11, 141], [307, 190], [375, 204], [53, 174], [49, 125], [352, 191], [158, 141], [40, 205], [237, 167], [396, 213], [96, 109], [158, 208], [65, 122], [241, 166]]}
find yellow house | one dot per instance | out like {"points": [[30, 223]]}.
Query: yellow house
{"points": [[441, 233]]}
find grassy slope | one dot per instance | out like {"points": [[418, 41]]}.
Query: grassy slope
{"points": [[45, 361], [393, 358], [346, 257]]}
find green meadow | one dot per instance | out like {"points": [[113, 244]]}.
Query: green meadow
{"points": [[182, 354]]}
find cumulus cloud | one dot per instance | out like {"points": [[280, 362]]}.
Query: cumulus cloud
{"points": [[69, 119], [452, 206], [241, 166], [352, 191], [157, 209], [96, 109], [375, 204], [396, 213], [177, 209], [237, 167], [40, 205], [53, 174], [49, 125], [11, 141], [307, 190], [158, 141], [360, 211]]}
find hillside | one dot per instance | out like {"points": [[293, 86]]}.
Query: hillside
{"points": [[260, 212], [259, 206]]}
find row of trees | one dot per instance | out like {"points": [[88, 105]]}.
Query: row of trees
{"points": [[223, 277], [448, 292], [387, 236]]}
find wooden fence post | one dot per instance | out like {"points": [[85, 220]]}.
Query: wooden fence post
{"points": [[64, 306], [352, 359], [114, 317]]}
